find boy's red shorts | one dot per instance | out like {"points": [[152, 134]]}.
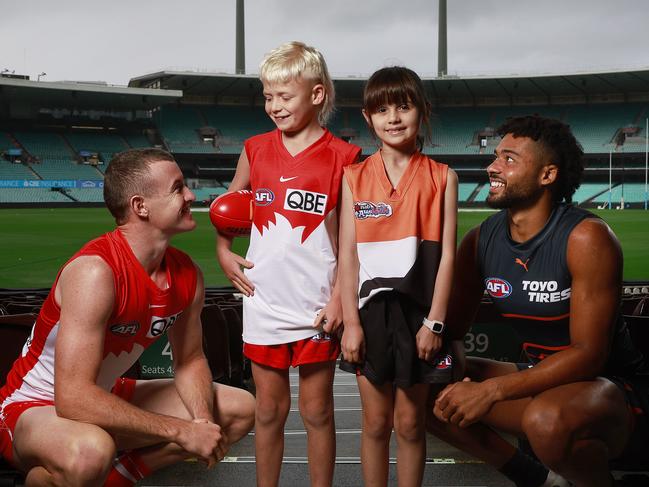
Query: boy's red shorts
{"points": [[319, 348]]}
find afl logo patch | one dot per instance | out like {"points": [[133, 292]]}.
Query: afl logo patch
{"points": [[264, 197], [125, 329], [367, 209], [443, 363], [498, 288], [321, 337]]}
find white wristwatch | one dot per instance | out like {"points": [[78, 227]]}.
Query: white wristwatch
{"points": [[435, 326]]}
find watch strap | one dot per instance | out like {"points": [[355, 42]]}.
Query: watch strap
{"points": [[435, 326]]}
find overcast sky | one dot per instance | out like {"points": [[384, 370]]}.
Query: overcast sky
{"points": [[117, 40]]}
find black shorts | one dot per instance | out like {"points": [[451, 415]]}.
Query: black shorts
{"points": [[636, 393], [390, 323]]}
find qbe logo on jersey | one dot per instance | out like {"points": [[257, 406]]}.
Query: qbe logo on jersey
{"points": [[160, 324], [305, 201], [497, 288]]}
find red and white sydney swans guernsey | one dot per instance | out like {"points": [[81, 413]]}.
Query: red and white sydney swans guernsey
{"points": [[294, 238], [141, 314]]}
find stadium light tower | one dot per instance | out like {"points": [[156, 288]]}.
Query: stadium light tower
{"points": [[442, 68], [240, 54]]}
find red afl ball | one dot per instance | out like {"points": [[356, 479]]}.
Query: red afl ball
{"points": [[231, 213]]}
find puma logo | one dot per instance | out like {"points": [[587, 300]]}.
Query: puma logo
{"points": [[521, 263]]}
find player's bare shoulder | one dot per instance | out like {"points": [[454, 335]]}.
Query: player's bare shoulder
{"points": [[87, 272], [592, 231], [592, 242]]}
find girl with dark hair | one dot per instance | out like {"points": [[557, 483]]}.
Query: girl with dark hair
{"points": [[396, 255]]}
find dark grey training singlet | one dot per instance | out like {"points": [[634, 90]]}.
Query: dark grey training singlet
{"points": [[530, 284]]}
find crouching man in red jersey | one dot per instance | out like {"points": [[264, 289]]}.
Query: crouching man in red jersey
{"points": [[66, 416]]}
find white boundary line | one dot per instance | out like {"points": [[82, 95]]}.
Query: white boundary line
{"points": [[335, 394], [297, 410], [351, 460]]}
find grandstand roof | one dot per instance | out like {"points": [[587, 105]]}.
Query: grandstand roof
{"points": [[582, 87], [72, 94]]}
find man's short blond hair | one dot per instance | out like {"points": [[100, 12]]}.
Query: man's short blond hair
{"points": [[294, 60]]}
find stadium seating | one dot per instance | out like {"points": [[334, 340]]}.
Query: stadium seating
{"points": [[137, 141], [595, 126], [87, 195], [499, 115], [236, 124], [348, 123], [45, 145], [32, 195], [587, 191], [453, 130], [101, 143], [216, 333], [456, 132], [205, 193], [9, 171], [57, 158], [179, 128], [482, 193], [65, 169], [5, 142], [465, 190], [632, 193]]}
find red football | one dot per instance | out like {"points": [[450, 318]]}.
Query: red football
{"points": [[231, 213]]}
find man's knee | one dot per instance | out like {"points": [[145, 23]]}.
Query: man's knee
{"points": [[242, 419], [548, 429], [87, 459]]}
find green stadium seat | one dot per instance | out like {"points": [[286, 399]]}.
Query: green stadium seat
{"points": [[179, 127]]}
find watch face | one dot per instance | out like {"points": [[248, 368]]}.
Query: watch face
{"points": [[437, 327]]}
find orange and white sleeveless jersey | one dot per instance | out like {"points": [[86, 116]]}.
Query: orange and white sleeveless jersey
{"points": [[141, 314], [398, 230], [294, 237]]}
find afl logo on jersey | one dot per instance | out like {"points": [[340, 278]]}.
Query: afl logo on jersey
{"points": [[498, 288], [264, 197], [367, 209], [125, 329], [443, 363], [305, 201]]}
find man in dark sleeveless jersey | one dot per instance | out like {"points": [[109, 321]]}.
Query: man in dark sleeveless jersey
{"points": [[554, 273], [66, 415]]}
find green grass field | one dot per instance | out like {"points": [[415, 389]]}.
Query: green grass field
{"points": [[34, 243]]}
